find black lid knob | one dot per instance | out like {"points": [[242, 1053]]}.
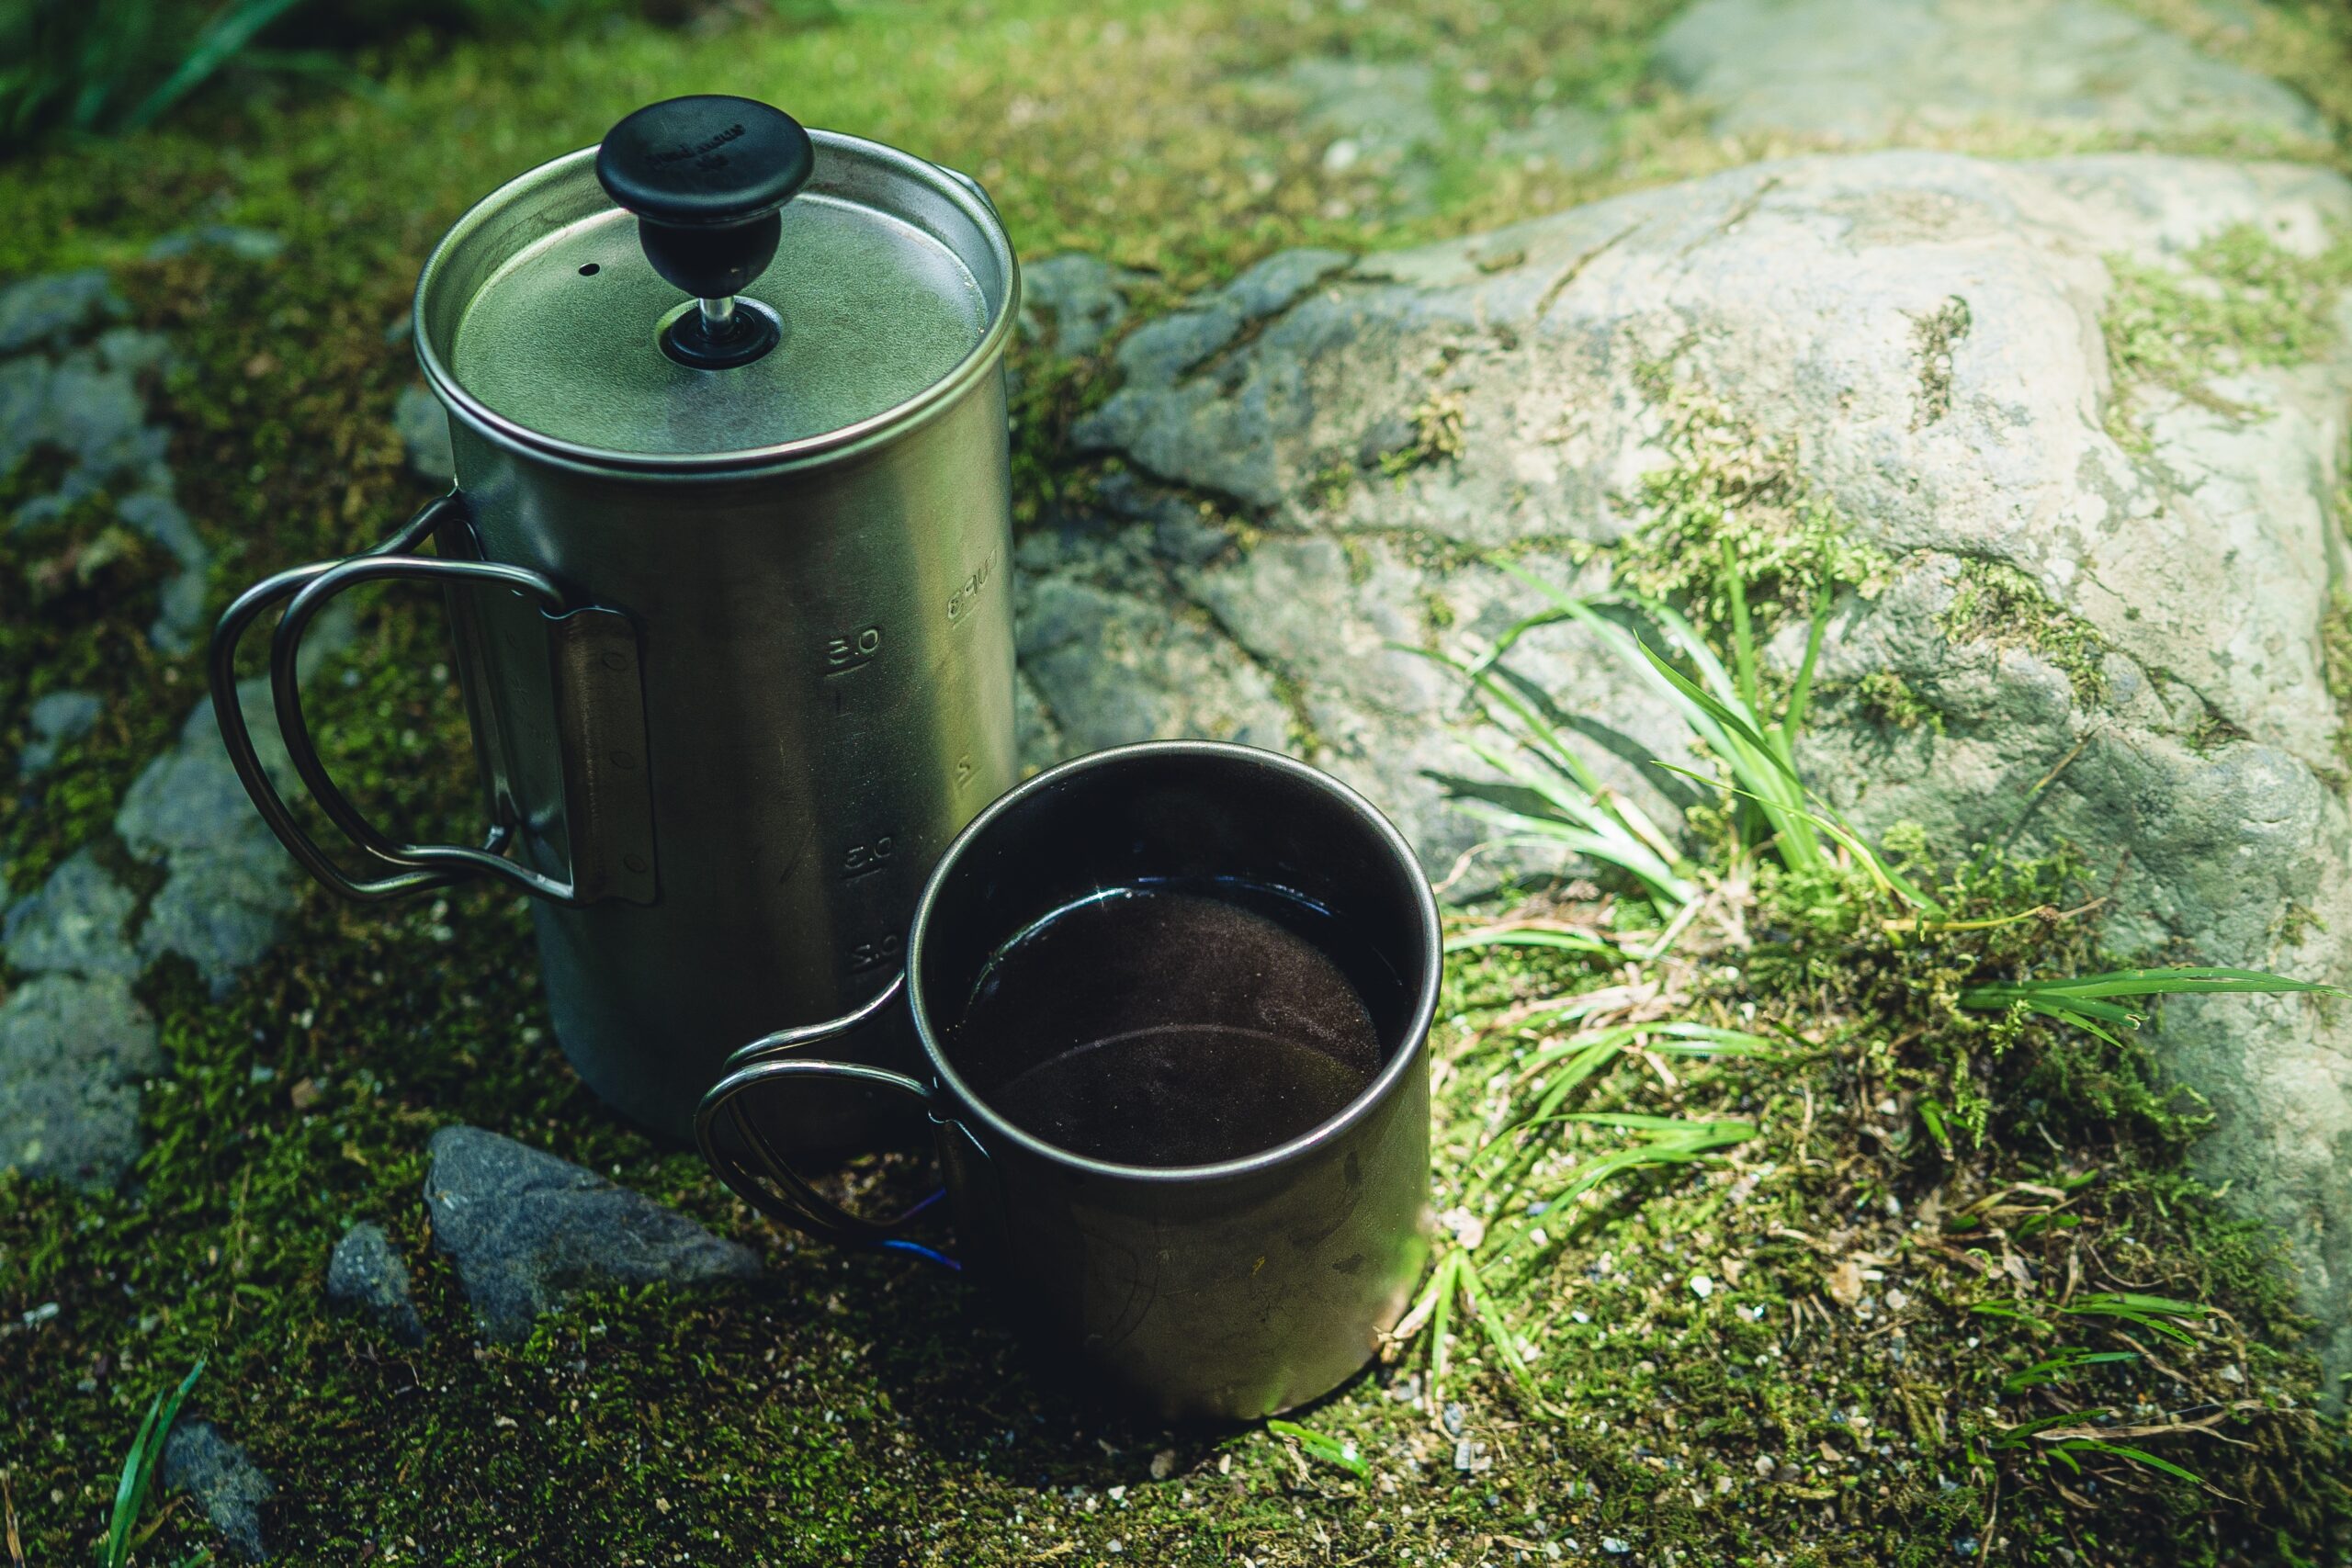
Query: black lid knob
{"points": [[705, 177]]}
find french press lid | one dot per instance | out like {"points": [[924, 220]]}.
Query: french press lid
{"points": [[714, 286]]}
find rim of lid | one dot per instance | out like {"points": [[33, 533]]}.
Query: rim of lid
{"points": [[505, 219]]}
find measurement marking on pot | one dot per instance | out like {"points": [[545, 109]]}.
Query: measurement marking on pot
{"points": [[866, 955], [852, 650], [863, 859]]}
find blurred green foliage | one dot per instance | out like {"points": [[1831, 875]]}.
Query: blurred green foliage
{"points": [[71, 66]]}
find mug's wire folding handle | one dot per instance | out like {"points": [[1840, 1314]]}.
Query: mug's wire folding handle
{"points": [[762, 1176]]}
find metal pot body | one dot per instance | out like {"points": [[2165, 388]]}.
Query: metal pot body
{"points": [[737, 677], [826, 664]]}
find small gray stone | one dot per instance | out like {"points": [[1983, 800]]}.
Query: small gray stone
{"points": [[74, 925], [1379, 118], [87, 400], [73, 1052], [221, 910], [57, 309], [245, 244], [155, 514], [230, 885], [1569, 135], [224, 1482], [525, 1229], [1075, 301], [366, 1274], [57, 720], [423, 427]]}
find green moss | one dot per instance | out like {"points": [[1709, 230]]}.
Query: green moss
{"points": [[1933, 337], [1886, 698], [76, 596], [1437, 435], [2335, 653], [1997, 603], [2238, 299], [1836, 1389], [1728, 487]]}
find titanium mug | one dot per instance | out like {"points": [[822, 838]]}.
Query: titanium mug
{"points": [[1228, 1290], [728, 565]]}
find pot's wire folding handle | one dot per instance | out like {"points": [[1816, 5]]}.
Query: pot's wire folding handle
{"points": [[405, 878], [286, 692], [760, 1174]]}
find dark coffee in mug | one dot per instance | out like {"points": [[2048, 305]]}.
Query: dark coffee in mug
{"points": [[1170, 1024]]}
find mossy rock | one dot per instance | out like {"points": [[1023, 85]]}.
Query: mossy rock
{"points": [[2096, 572]]}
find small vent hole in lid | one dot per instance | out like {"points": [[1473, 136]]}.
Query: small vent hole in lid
{"points": [[589, 269]]}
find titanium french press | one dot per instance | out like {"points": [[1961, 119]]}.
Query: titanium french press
{"points": [[728, 568]]}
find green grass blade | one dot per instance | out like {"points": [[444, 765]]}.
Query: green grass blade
{"points": [[1497, 1335], [1743, 636], [2059, 1367], [1716, 709], [1327, 1450], [1564, 941], [129, 1490], [231, 28], [1441, 1323], [2136, 1301], [2148, 1312], [1800, 695], [2184, 980], [2142, 1455], [138, 1468]]}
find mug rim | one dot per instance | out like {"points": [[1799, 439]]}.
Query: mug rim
{"points": [[1401, 1062]]}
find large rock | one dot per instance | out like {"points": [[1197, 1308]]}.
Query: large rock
{"points": [[73, 1052], [1867, 70], [525, 1229], [2103, 604]]}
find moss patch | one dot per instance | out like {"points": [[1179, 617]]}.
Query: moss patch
{"points": [[1997, 603], [1886, 698], [2239, 300], [1933, 336], [1728, 488]]}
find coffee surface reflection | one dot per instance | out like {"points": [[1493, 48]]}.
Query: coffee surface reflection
{"points": [[1165, 1025]]}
